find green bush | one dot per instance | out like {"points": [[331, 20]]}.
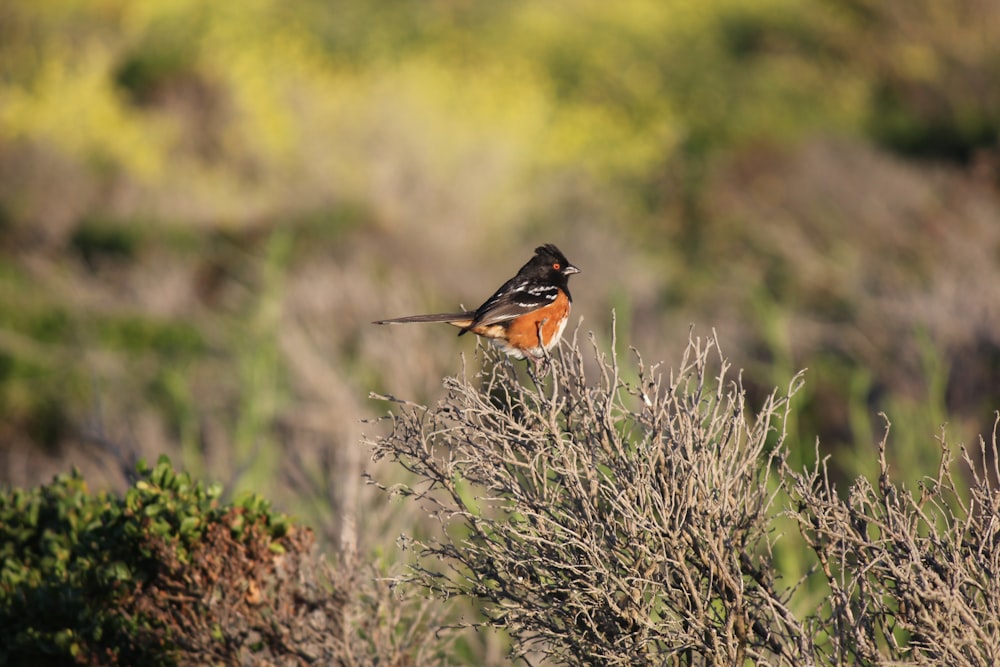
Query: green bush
{"points": [[166, 574]]}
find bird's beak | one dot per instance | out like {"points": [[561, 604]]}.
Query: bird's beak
{"points": [[570, 270]]}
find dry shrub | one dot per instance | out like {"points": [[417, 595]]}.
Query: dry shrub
{"points": [[617, 521], [624, 515], [912, 577], [240, 600], [248, 600], [384, 629]]}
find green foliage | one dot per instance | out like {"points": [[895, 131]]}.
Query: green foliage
{"points": [[141, 334], [612, 93], [49, 342], [328, 115], [96, 240], [928, 63], [73, 562]]}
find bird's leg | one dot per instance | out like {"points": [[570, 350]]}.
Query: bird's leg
{"points": [[543, 360], [537, 362]]}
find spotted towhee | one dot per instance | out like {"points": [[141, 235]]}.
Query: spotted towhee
{"points": [[527, 315]]}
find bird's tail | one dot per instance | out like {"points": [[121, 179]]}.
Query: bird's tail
{"points": [[456, 319]]}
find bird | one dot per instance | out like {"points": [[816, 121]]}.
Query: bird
{"points": [[525, 317]]}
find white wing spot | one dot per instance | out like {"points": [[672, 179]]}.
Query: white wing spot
{"points": [[549, 292], [520, 287]]}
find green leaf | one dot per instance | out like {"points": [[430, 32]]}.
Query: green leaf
{"points": [[189, 525]]}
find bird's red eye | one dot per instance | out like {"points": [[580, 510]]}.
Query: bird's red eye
{"points": [[556, 266]]}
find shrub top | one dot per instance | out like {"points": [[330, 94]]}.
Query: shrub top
{"points": [[72, 562]]}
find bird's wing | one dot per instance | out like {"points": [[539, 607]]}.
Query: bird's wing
{"points": [[514, 299]]}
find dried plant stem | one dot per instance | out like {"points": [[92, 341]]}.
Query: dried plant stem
{"points": [[603, 520]]}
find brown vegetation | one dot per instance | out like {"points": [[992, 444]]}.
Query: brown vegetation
{"points": [[633, 515]]}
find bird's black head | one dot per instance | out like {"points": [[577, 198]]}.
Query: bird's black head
{"points": [[549, 264]]}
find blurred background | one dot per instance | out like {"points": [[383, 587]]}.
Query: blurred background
{"points": [[203, 206]]}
